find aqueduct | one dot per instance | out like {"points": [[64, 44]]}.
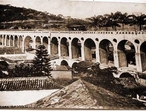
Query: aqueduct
{"points": [[120, 48]]}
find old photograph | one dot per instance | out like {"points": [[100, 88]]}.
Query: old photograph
{"points": [[73, 54]]}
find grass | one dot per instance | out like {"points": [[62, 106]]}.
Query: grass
{"points": [[10, 50]]}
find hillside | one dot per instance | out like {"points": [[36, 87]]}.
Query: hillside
{"points": [[28, 19], [22, 18]]}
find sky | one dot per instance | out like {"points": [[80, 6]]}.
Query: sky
{"points": [[81, 8]]}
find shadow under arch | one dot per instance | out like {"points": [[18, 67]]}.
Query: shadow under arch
{"points": [[90, 49], [143, 55], [126, 54], [106, 52]]}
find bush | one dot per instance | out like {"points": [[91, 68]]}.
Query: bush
{"points": [[82, 66], [100, 77]]}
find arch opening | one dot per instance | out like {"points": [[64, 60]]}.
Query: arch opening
{"points": [[54, 46], [74, 68], [143, 55], [7, 40], [125, 75], [28, 43], [4, 38], [11, 40], [90, 50], [15, 41], [64, 47], [38, 41], [106, 52], [126, 54], [45, 42], [76, 48], [20, 42], [1, 39], [64, 63]]}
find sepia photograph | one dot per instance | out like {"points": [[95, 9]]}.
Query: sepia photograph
{"points": [[73, 54]]}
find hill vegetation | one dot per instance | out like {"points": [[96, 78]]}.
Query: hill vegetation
{"points": [[28, 19], [22, 18]]}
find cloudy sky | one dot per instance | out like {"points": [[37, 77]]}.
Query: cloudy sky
{"points": [[81, 8]]}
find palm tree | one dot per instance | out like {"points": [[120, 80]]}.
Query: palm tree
{"points": [[96, 21], [131, 20], [100, 21], [92, 22], [119, 18], [106, 22], [139, 20], [122, 19], [113, 20]]}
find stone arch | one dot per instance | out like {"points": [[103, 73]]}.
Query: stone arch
{"points": [[90, 49], [54, 46], [106, 52], [64, 62], [45, 42], [15, 41], [64, 47], [74, 67], [28, 43], [4, 38], [20, 40], [126, 54], [76, 48], [38, 41], [7, 40], [143, 55], [11, 40], [74, 64], [125, 75], [1, 40]]}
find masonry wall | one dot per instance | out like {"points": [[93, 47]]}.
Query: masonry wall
{"points": [[115, 37], [88, 54], [62, 74], [122, 59], [143, 61], [74, 52], [103, 56], [64, 51]]}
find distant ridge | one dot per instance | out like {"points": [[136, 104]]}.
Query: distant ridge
{"points": [[16, 17]]}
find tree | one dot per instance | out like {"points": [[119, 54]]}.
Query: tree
{"points": [[41, 63], [82, 66], [112, 20], [141, 20], [123, 20], [76, 24], [131, 20], [105, 21], [20, 70], [138, 20], [96, 21]]}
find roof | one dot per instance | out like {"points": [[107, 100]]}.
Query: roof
{"points": [[83, 95]]}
